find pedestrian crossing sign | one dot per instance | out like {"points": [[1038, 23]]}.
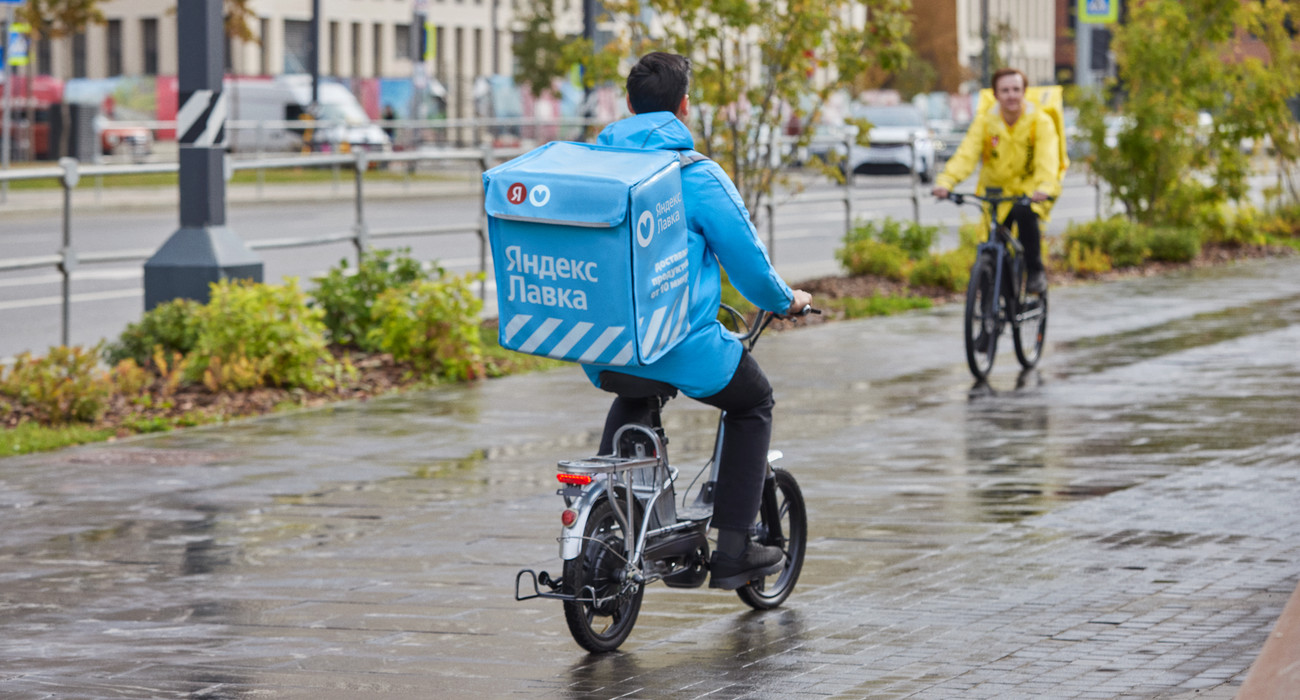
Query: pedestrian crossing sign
{"points": [[1099, 11], [18, 44]]}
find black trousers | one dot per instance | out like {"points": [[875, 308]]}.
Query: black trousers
{"points": [[1030, 235], [747, 432]]}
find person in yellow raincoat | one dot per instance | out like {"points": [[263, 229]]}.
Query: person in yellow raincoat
{"points": [[1017, 144]]}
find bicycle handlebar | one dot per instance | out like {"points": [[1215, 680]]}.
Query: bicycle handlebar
{"points": [[761, 321], [1023, 199]]}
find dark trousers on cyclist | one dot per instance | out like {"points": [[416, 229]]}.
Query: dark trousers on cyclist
{"points": [[747, 432], [1029, 234]]}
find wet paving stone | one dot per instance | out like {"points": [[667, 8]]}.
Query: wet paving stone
{"points": [[1119, 523]]}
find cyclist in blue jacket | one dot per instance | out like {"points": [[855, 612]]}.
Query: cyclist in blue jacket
{"points": [[710, 365]]}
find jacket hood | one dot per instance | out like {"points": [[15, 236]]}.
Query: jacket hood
{"points": [[657, 130]]}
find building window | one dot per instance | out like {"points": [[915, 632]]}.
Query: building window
{"points": [[478, 51], [334, 49], [439, 66], [459, 76], [264, 31], [356, 49], [149, 45], [114, 47], [297, 46], [402, 42], [79, 55]]}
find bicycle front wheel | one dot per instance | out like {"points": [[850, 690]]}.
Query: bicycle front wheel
{"points": [[981, 322], [783, 523], [1031, 329], [608, 601]]}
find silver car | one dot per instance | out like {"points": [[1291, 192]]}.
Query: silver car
{"points": [[900, 143]]}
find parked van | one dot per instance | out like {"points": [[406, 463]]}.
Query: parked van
{"points": [[269, 113]]}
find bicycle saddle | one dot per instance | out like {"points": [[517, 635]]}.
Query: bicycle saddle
{"points": [[631, 387]]}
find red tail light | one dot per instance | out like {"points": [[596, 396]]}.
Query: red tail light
{"points": [[569, 517], [574, 479]]}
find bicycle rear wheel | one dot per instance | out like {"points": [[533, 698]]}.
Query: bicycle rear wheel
{"points": [[603, 616], [783, 523], [1031, 329], [981, 323]]}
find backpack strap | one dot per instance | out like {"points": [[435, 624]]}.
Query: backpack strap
{"points": [[687, 157]]}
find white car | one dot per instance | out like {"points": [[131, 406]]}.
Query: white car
{"points": [[901, 142]]}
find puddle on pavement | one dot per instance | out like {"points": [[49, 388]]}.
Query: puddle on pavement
{"points": [[1104, 352]]}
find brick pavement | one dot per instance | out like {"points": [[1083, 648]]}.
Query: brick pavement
{"points": [[1122, 526]]}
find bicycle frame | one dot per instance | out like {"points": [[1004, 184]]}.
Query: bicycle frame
{"points": [[618, 472], [999, 243], [1005, 301], [622, 480], [622, 528]]}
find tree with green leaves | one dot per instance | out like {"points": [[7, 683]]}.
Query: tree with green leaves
{"points": [[1176, 63], [1269, 92], [758, 67], [544, 53]]}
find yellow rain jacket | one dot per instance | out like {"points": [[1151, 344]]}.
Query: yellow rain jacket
{"points": [[1021, 159]]}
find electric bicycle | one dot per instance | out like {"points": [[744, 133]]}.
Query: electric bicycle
{"points": [[623, 527]]}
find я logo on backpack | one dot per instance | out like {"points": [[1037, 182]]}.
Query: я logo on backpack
{"points": [[589, 252]]}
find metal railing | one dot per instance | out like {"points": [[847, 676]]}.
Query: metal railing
{"points": [[846, 195], [69, 172]]}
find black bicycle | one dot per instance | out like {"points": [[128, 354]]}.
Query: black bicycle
{"points": [[996, 296]]}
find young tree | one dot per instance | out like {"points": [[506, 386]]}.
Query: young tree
{"points": [[759, 66], [1176, 64], [545, 54], [1270, 88]]}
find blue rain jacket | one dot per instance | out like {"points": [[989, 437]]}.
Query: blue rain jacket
{"points": [[720, 235]]}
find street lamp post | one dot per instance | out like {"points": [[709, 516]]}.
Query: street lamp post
{"points": [[203, 250], [984, 40], [313, 55]]}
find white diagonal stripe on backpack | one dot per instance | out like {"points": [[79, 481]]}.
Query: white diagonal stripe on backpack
{"points": [[540, 335], [516, 322], [684, 319], [674, 327], [624, 356], [652, 332], [566, 344], [601, 343]]}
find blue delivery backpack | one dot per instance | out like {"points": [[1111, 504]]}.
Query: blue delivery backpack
{"points": [[589, 252]]}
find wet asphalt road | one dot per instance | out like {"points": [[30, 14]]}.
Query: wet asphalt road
{"points": [[1120, 523]]}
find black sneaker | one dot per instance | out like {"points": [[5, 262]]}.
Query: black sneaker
{"points": [[1037, 283], [757, 561]]}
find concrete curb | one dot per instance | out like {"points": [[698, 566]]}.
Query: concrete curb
{"points": [[1275, 675]]}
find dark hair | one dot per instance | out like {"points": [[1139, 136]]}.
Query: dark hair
{"points": [[1004, 72], [658, 82]]}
